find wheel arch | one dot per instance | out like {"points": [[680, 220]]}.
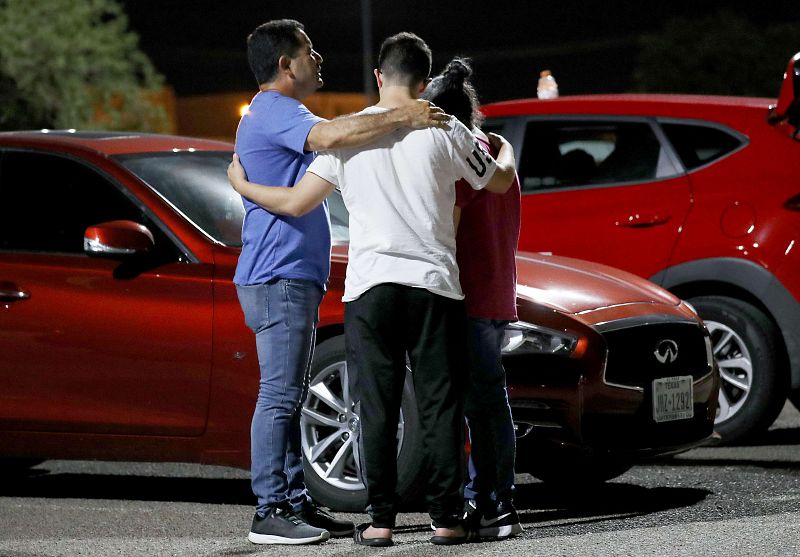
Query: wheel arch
{"points": [[746, 281]]}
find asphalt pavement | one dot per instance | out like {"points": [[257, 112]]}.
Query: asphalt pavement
{"points": [[726, 501]]}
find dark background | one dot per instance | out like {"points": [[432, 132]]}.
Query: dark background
{"points": [[591, 46]]}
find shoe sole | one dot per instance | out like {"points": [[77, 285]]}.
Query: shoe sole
{"points": [[263, 539], [500, 532]]}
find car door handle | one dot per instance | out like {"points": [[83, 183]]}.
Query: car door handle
{"points": [[643, 220], [13, 294]]}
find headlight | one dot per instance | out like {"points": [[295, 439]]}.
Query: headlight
{"points": [[525, 338]]}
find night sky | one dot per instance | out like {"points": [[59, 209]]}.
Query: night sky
{"points": [[590, 45]]}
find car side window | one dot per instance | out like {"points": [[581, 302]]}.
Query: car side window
{"points": [[698, 145], [569, 153], [49, 202]]}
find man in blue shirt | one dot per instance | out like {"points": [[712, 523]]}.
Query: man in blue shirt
{"points": [[282, 271]]}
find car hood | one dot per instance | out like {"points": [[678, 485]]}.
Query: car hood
{"points": [[575, 286], [564, 284]]}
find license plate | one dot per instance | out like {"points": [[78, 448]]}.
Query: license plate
{"points": [[672, 398]]}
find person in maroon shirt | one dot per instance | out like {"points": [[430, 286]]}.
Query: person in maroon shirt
{"points": [[486, 243]]}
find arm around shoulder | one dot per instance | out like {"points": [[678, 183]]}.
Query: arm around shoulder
{"points": [[356, 130], [296, 201], [505, 172]]}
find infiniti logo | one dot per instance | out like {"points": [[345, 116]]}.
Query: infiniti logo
{"points": [[666, 351]]}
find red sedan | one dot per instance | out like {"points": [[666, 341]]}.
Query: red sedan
{"points": [[122, 337]]}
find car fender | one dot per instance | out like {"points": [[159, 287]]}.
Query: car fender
{"points": [[752, 278]]}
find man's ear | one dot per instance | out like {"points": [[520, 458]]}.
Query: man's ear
{"points": [[284, 64], [378, 77]]}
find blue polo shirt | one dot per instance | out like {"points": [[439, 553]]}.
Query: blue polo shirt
{"points": [[269, 142]]}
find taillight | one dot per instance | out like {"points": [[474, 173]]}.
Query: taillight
{"points": [[793, 203]]}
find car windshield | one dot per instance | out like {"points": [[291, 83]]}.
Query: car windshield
{"points": [[196, 184]]}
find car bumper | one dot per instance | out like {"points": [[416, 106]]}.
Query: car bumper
{"points": [[569, 408]]}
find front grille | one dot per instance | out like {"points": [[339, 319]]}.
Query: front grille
{"points": [[632, 353]]}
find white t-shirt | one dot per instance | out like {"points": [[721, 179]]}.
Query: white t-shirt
{"points": [[400, 192]]}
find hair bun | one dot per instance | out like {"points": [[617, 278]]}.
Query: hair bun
{"points": [[453, 92], [458, 70]]}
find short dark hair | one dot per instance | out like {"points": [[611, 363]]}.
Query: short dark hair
{"points": [[453, 92], [268, 43], [405, 58]]}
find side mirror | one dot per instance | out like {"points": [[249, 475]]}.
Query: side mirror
{"points": [[119, 238], [788, 107]]}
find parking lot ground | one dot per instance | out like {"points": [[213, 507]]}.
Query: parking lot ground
{"points": [[713, 501]]}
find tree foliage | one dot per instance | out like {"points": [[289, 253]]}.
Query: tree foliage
{"points": [[722, 54], [74, 64]]}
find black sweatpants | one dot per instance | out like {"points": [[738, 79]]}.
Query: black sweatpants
{"points": [[381, 326]]}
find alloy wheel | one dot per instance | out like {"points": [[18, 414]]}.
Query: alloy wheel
{"points": [[330, 426], [735, 369]]}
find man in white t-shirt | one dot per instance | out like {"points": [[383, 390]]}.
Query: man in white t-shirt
{"points": [[402, 294]]}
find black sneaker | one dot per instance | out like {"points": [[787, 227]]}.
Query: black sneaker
{"points": [[502, 523], [471, 519], [281, 526], [320, 518]]}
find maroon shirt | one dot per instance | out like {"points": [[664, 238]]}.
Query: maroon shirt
{"points": [[486, 243]]}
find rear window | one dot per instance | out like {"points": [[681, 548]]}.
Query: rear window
{"points": [[698, 145]]}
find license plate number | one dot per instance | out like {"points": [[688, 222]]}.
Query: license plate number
{"points": [[672, 398]]}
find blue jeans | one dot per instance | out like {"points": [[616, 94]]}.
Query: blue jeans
{"points": [[491, 429], [283, 314]]}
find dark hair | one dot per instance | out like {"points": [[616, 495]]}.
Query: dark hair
{"points": [[405, 59], [268, 43], [453, 92]]}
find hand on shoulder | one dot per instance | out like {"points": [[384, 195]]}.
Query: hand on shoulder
{"points": [[424, 114]]}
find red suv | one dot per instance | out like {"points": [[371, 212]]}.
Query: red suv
{"points": [[699, 194]]}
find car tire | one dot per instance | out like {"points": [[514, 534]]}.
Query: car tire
{"points": [[753, 387], [572, 470], [327, 413]]}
